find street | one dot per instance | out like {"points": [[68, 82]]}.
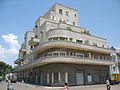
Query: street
{"points": [[24, 86]]}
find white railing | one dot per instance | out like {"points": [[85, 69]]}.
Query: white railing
{"points": [[73, 60]]}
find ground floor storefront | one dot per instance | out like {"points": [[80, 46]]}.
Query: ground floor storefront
{"points": [[116, 77], [58, 73]]}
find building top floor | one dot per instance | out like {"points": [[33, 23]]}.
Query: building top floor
{"points": [[60, 13], [49, 29]]}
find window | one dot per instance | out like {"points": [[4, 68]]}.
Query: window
{"points": [[113, 68], [73, 23], [25, 38], [50, 54], [71, 54], [50, 39], [55, 54], [62, 38], [56, 77], [62, 53], [60, 11], [79, 41], [36, 26], [55, 38], [75, 15], [95, 57], [94, 44], [103, 46], [36, 36], [31, 47], [67, 13], [53, 18], [71, 39], [66, 39], [79, 55]]}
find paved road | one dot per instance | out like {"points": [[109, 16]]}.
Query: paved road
{"points": [[23, 86]]}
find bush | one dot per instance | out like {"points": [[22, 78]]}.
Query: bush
{"points": [[68, 28]]}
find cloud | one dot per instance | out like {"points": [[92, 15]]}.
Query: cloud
{"points": [[11, 40], [9, 53]]}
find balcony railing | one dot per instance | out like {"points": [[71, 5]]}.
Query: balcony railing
{"points": [[65, 59], [72, 45]]}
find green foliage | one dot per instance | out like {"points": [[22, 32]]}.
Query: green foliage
{"points": [[5, 69], [86, 42], [85, 32], [68, 28]]}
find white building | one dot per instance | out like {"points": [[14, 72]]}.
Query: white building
{"points": [[57, 50]]}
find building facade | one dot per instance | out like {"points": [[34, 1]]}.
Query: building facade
{"points": [[57, 50], [115, 68]]}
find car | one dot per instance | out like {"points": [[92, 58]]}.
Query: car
{"points": [[14, 78], [114, 82]]}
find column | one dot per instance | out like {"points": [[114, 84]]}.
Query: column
{"points": [[66, 77], [90, 55], [47, 77], [59, 76], [52, 77], [41, 78], [36, 79]]}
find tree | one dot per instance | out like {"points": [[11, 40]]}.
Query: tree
{"points": [[86, 42], [5, 69], [85, 32], [68, 28]]}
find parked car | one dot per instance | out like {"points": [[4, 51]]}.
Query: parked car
{"points": [[12, 77], [114, 82]]}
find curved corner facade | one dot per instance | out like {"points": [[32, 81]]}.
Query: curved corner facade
{"points": [[57, 50]]}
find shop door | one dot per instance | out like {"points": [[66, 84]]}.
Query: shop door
{"points": [[79, 78]]}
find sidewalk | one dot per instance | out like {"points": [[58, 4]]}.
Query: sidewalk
{"points": [[26, 86], [85, 87]]}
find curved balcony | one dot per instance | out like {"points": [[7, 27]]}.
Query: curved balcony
{"points": [[23, 50], [17, 61], [63, 59], [34, 41], [70, 33], [66, 44]]}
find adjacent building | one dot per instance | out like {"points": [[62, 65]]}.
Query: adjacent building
{"points": [[115, 68], [58, 50]]}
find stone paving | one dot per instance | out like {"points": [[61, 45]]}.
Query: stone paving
{"points": [[24, 86]]}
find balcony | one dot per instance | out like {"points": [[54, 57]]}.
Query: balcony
{"points": [[64, 59], [23, 50], [72, 45], [34, 41], [17, 61]]}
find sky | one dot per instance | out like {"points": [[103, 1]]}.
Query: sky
{"points": [[100, 17]]}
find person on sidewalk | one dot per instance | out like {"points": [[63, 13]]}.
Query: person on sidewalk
{"points": [[22, 81], [108, 84], [9, 85], [66, 86]]}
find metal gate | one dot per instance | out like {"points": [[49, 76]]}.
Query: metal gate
{"points": [[79, 78]]}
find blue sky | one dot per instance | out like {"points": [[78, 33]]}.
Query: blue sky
{"points": [[101, 17]]}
